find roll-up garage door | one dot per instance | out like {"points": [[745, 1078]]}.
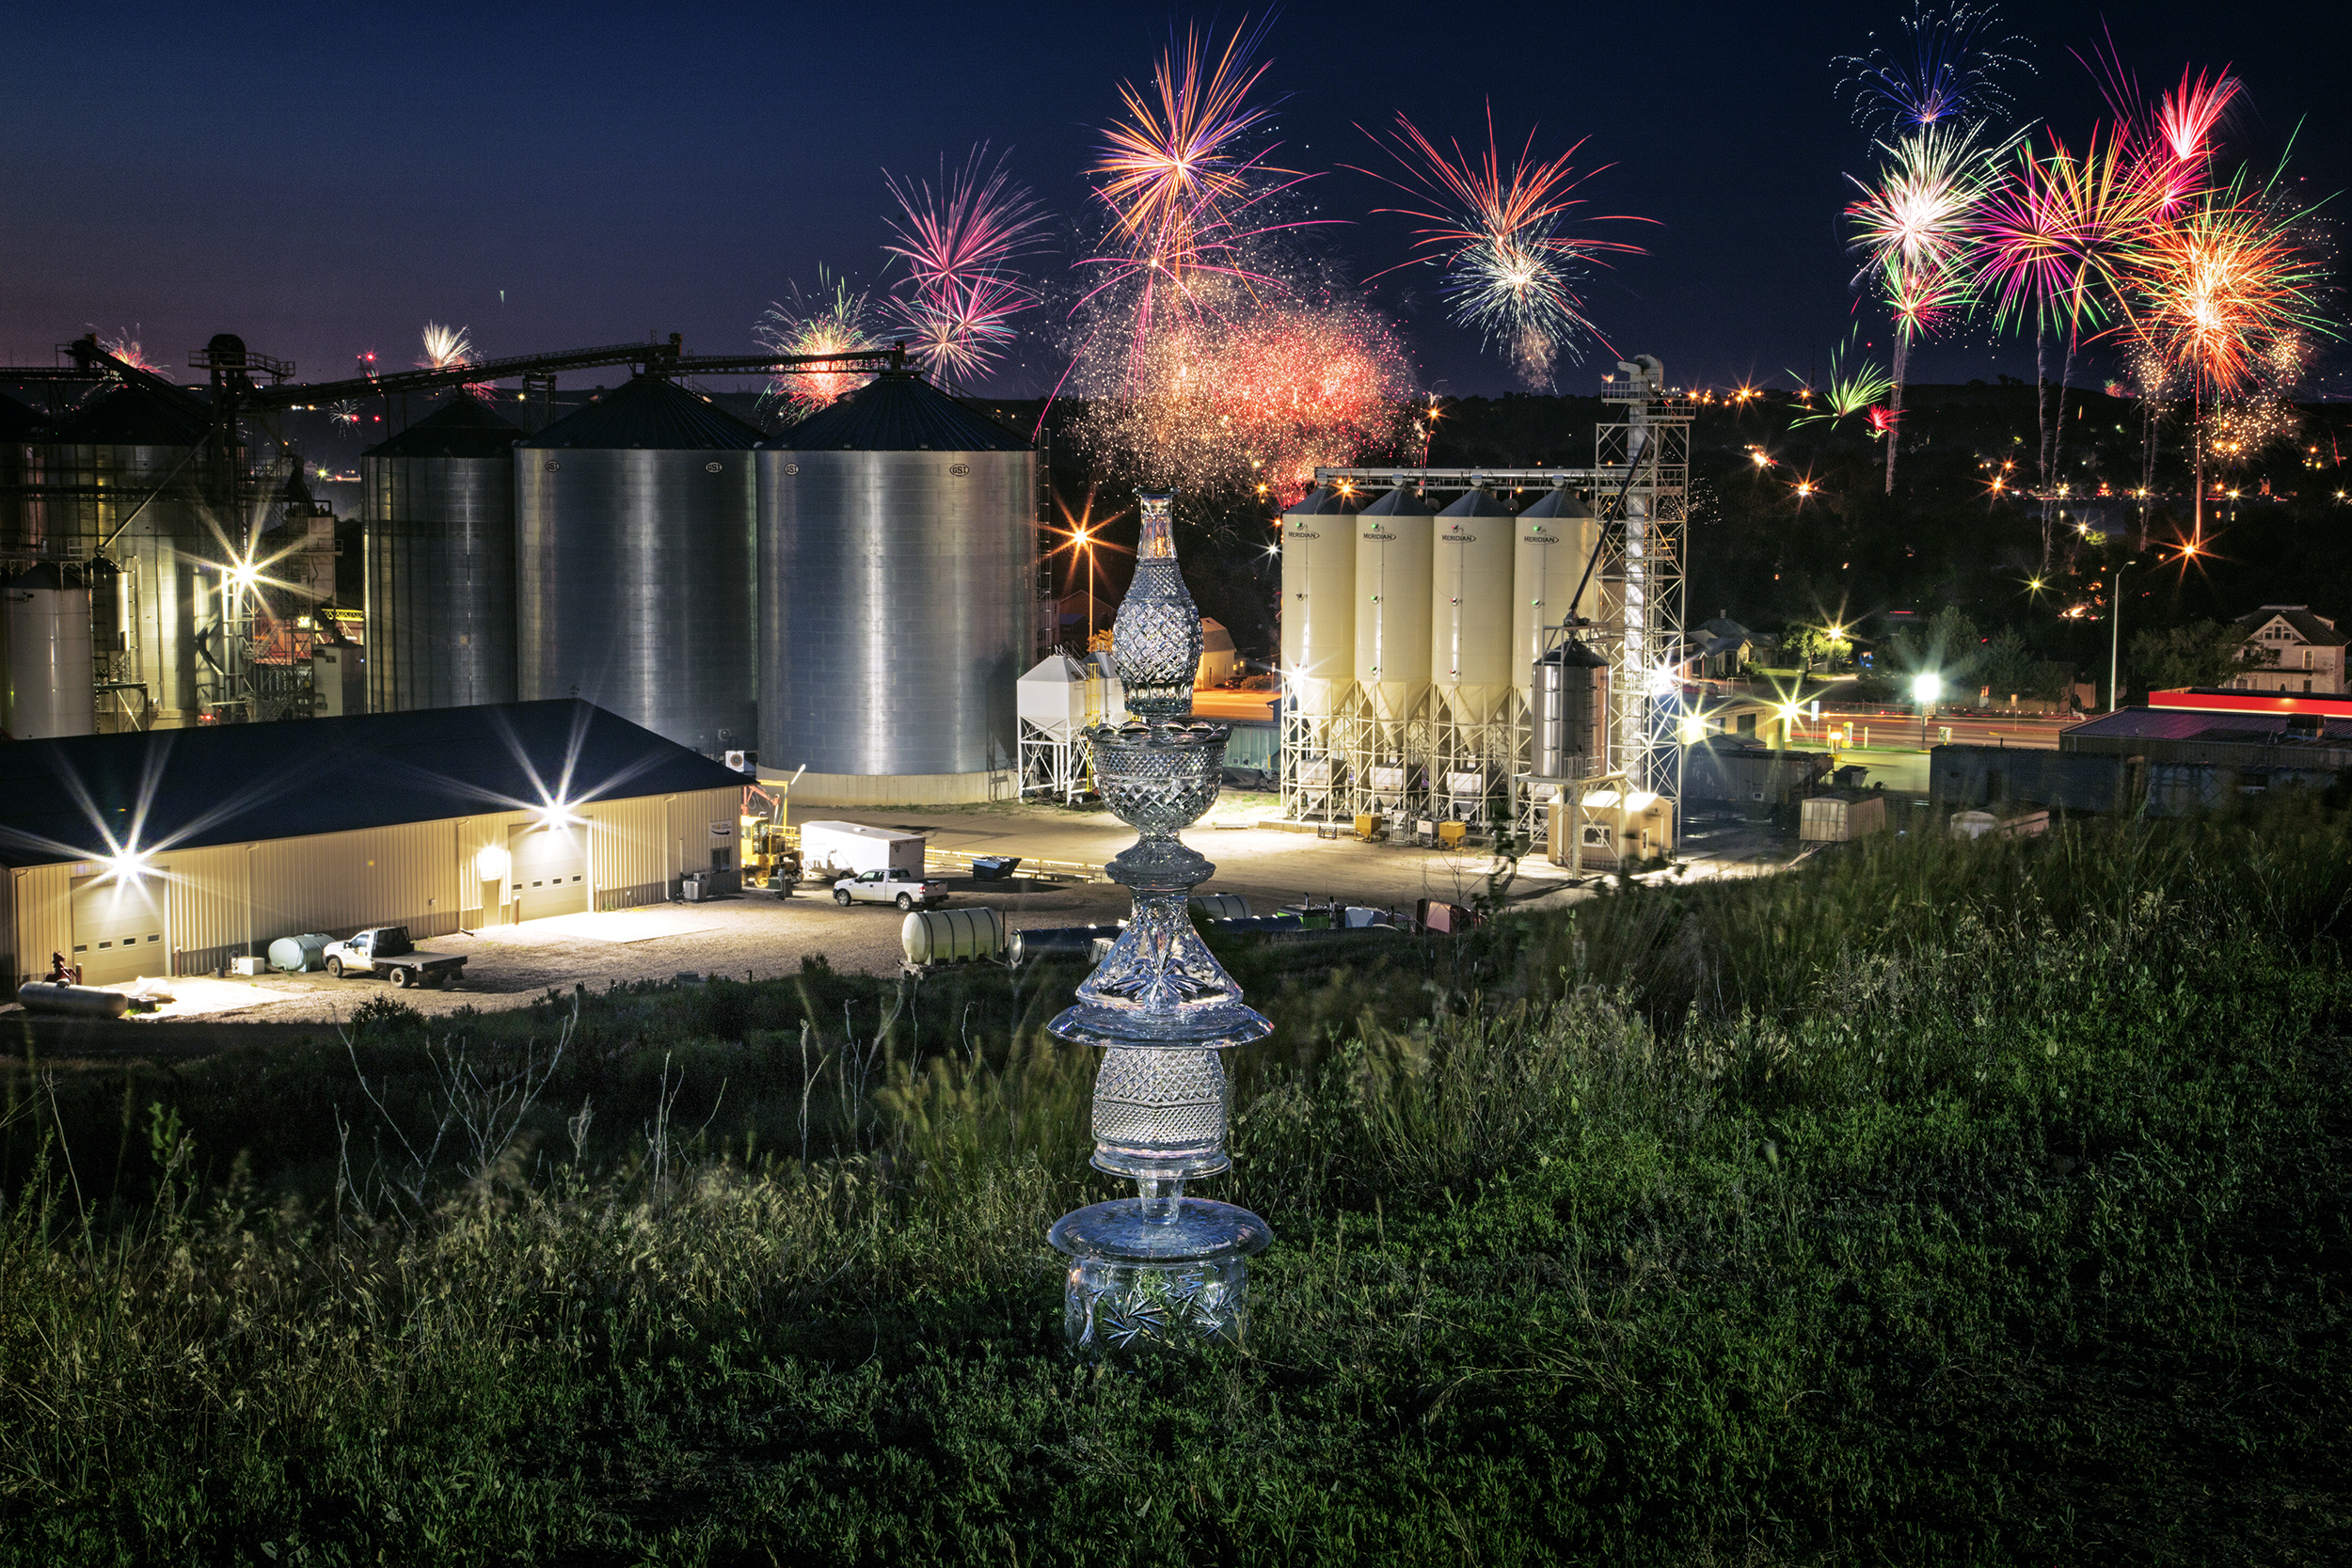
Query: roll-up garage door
{"points": [[550, 871], [119, 929]]}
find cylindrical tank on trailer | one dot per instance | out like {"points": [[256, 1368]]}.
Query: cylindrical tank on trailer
{"points": [[1216, 906], [1570, 712], [897, 572], [1469, 626], [1319, 599], [50, 689], [1395, 547], [634, 562], [439, 513], [299, 955], [951, 936], [1554, 542]]}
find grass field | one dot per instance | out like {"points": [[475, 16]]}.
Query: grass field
{"points": [[1931, 1203]]}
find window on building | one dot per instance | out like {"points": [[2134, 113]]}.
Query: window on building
{"points": [[2307, 659]]}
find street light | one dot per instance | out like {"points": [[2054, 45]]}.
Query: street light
{"points": [[2115, 637], [1925, 688]]}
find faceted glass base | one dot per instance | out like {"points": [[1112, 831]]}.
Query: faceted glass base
{"points": [[1161, 1273], [1111, 1308]]}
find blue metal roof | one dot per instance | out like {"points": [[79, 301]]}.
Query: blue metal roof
{"points": [[237, 783], [463, 426], [646, 412], [897, 411]]}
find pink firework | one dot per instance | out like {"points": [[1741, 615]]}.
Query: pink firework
{"points": [[959, 245]]}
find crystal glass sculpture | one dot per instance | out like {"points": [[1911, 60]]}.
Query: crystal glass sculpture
{"points": [[1159, 1268]]}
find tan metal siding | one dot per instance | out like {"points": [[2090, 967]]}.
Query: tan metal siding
{"points": [[422, 875]]}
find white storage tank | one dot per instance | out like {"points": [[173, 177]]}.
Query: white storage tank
{"points": [[46, 617], [951, 936], [1395, 550], [1319, 599], [1553, 546], [1469, 626]]}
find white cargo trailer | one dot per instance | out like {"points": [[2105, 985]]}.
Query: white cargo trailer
{"points": [[848, 849]]}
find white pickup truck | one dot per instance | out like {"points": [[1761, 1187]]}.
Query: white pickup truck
{"points": [[385, 950], [889, 884]]}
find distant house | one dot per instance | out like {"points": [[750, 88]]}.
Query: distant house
{"points": [[2287, 648], [1721, 647]]}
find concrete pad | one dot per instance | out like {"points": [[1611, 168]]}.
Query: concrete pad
{"points": [[614, 926]]}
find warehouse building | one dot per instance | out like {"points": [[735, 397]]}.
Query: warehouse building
{"points": [[172, 852]]}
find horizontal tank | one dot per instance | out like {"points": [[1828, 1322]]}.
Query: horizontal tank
{"points": [[45, 616], [1470, 625], [1395, 543], [1319, 599], [437, 509], [1553, 546], [897, 568], [634, 561]]}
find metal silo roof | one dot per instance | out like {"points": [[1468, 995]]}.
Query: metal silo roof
{"points": [[464, 426], [650, 414], [1402, 501], [897, 411], [136, 415]]}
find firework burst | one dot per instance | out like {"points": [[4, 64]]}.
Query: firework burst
{"points": [[446, 347], [2224, 295], [838, 322], [1849, 392], [1251, 399], [959, 245], [1947, 65], [126, 347], [1182, 163], [1496, 229]]}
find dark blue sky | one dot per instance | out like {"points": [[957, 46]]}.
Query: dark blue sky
{"points": [[322, 179]]}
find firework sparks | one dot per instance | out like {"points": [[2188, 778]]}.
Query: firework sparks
{"points": [[1947, 66], [1253, 399], [959, 245], [126, 347], [835, 323], [1181, 163], [1849, 392], [1496, 231], [2224, 295], [345, 413], [446, 347]]}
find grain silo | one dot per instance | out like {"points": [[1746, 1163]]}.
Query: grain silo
{"points": [[896, 564], [1395, 545], [1552, 553], [1319, 602], [437, 507], [1469, 631], [634, 564], [127, 476]]}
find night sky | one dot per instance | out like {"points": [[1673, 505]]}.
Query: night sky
{"points": [[323, 179]]}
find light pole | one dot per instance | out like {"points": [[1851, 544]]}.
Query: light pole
{"points": [[1925, 688], [2114, 638]]}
